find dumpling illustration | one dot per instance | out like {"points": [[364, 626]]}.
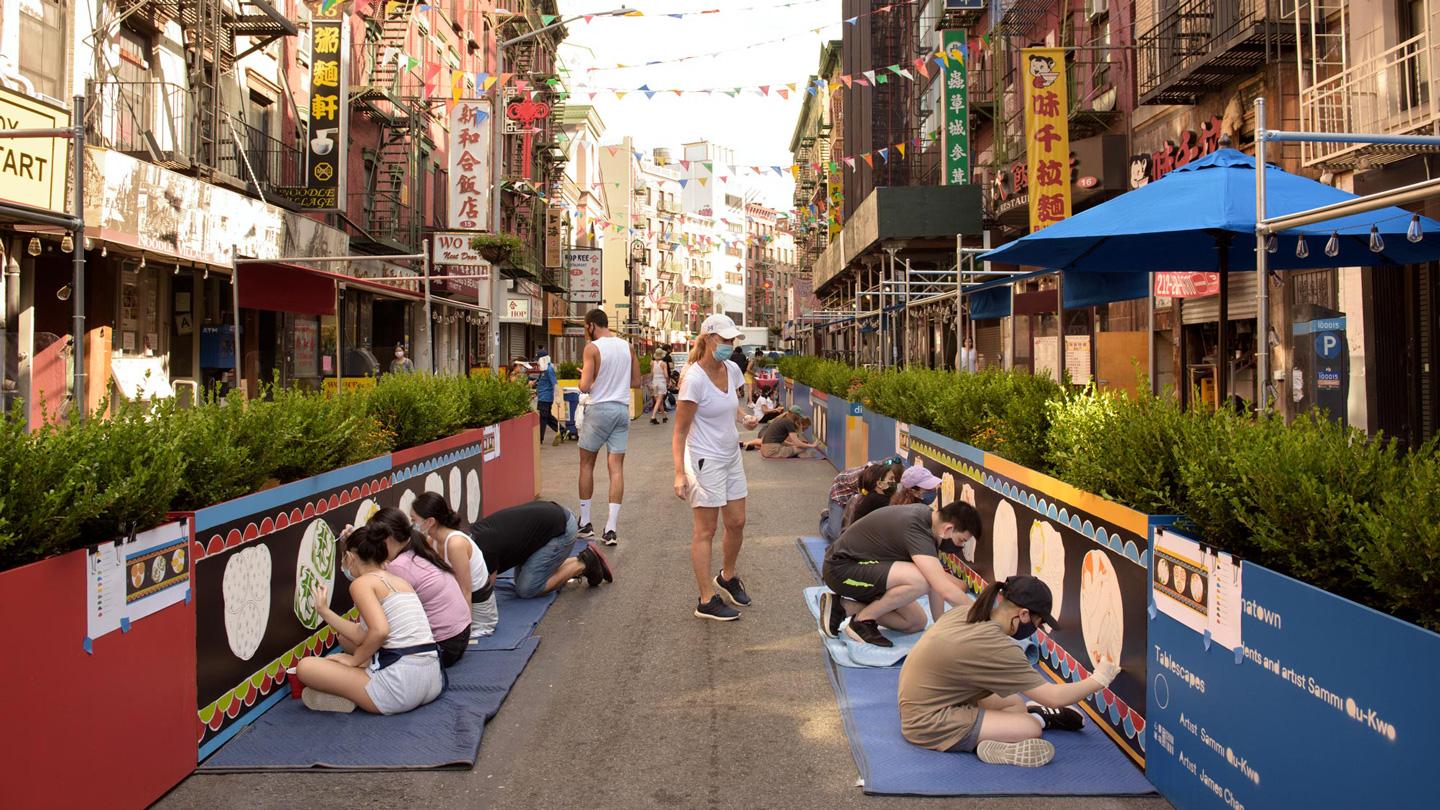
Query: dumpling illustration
{"points": [[246, 588], [1047, 559], [315, 566]]}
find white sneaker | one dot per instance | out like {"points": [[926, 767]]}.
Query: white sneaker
{"points": [[1025, 754], [317, 701]]}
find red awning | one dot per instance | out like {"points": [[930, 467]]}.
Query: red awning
{"points": [[279, 287]]}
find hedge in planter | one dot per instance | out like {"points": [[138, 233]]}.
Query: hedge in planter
{"points": [[72, 485]]}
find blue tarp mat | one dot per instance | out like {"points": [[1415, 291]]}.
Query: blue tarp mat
{"points": [[1086, 763], [848, 653], [518, 617], [445, 733]]}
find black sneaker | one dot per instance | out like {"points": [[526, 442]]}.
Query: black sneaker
{"points": [[867, 632], [587, 532], [732, 591], [1062, 719], [832, 614], [716, 610], [608, 538], [606, 574]]}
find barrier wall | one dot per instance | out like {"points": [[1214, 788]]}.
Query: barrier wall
{"points": [[1268, 692], [111, 728]]}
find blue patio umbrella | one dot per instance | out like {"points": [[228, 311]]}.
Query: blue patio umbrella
{"points": [[1179, 221], [1201, 217]]}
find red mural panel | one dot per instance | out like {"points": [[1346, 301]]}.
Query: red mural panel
{"points": [[509, 479], [112, 729]]}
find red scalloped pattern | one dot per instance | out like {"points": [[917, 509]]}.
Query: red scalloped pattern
{"points": [[281, 520]]}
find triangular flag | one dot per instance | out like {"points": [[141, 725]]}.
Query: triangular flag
{"points": [[684, 181], [619, 94], [709, 167], [846, 79], [884, 154], [431, 73], [546, 19], [870, 74], [481, 79], [900, 147], [589, 17], [783, 93], [764, 89], [849, 161], [645, 88], [612, 150], [679, 92], [852, 20], [685, 164], [702, 180], [869, 159], [810, 89]]}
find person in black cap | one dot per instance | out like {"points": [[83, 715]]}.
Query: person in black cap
{"points": [[959, 687]]}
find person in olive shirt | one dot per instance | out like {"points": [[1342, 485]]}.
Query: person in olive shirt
{"points": [[535, 539], [887, 560], [959, 688], [782, 438]]}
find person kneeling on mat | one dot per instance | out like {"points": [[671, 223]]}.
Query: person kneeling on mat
{"points": [[959, 687], [391, 663], [535, 540], [887, 560]]}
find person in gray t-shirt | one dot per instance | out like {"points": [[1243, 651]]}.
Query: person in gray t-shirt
{"points": [[886, 561]]}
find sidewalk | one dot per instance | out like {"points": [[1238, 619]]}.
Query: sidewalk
{"points": [[632, 702]]}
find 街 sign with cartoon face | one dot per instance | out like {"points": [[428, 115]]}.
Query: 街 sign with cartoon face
{"points": [[324, 188]]}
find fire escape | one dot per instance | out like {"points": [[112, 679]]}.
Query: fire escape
{"points": [[892, 121], [391, 98], [1387, 92], [188, 128], [1200, 46]]}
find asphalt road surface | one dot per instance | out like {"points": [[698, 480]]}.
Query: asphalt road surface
{"points": [[630, 701]]}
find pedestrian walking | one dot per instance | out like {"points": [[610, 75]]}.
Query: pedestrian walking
{"points": [[545, 396], [611, 370], [443, 529], [401, 364], [709, 471], [659, 386], [967, 355]]}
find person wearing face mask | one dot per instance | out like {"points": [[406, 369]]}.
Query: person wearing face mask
{"points": [[442, 528], [783, 438], [885, 562], [545, 396], [401, 364], [709, 470], [960, 687], [917, 485], [877, 484]]}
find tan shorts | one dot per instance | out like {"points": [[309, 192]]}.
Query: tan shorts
{"points": [[779, 451]]}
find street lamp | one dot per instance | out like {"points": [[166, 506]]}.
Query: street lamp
{"points": [[637, 257], [497, 158]]}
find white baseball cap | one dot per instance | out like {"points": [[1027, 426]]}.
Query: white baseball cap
{"points": [[719, 325]]}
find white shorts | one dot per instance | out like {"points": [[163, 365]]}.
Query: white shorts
{"points": [[715, 482], [406, 684]]}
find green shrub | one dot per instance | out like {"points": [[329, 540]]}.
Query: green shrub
{"points": [[568, 371], [419, 408], [1399, 536]]}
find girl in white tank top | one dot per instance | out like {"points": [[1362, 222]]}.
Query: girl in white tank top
{"points": [[433, 516]]}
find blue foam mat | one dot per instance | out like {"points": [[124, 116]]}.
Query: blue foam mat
{"points": [[518, 617], [813, 550], [444, 733], [848, 653], [1086, 763]]}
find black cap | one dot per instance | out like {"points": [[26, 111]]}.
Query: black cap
{"points": [[1032, 594]]}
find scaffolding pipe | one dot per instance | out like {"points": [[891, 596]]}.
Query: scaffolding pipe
{"points": [[1262, 281], [1284, 136]]}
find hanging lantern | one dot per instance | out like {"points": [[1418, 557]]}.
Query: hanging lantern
{"points": [[1376, 243], [1413, 233], [1272, 244], [1302, 251], [1332, 247]]}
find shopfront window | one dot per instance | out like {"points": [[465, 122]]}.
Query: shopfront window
{"points": [[139, 319]]}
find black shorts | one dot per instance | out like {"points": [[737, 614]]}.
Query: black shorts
{"points": [[452, 648], [861, 581]]}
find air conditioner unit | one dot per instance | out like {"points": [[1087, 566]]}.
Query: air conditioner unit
{"points": [[1096, 8]]}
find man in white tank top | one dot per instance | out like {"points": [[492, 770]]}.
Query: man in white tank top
{"points": [[611, 370]]}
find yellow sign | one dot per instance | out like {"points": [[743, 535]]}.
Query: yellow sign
{"points": [[33, 170], [1047, 135], [351, 384]]}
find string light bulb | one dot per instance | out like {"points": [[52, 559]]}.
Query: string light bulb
{"points": [[33, 248], [1302, 251], [67, 243], [1332, 247], [1413, 233], [1272, 244], [1377, 244]]}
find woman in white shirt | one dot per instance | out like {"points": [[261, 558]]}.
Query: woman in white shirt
{"points": [[443, 528], [709, 472], [659, 386]]}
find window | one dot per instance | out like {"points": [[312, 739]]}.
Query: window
{"points": [[42, 46]]}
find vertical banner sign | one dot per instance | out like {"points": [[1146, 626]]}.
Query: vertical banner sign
{"points": [[1047, 135], [325, 154], [554, 236], [957, 110], [470, 165], [586, 275]]}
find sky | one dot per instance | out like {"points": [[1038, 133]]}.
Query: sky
{"points": [[757, 127]]}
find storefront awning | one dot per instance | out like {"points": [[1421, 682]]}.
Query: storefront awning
{"points": [[990, 304], [287, 287]]}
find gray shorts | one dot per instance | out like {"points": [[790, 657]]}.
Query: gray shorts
{"points": [[971, 740], [606, 424], [406, 684]]}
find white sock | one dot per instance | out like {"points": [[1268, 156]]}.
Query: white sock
{"points": [[585, 513], [614, 517], [1038, 719]]}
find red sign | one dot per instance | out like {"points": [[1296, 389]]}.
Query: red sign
{"points": [[1147, 168], [1186, 285]]}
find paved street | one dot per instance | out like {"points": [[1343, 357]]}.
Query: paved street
{"points": [[630, 701]]}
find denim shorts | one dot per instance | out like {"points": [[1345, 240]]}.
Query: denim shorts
{"points": [[608, 424], [531, 575]]}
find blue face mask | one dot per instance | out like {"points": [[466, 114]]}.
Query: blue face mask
{"points": [[928, 496], [723, 352]]}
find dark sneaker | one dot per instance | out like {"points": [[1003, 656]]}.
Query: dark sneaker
{"points": [[732, 591], [1025, 754], [609, 538], [1062, 719], [867, 632], [587, 532], [592, 556], [832, 614], [716, 610]]}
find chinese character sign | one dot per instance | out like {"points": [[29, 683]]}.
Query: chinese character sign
{"points": [[957, 110], [470, 128], [1047, 135], [554, 236], [586, 277], [324, 187]]}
